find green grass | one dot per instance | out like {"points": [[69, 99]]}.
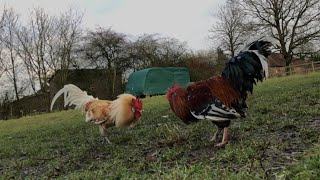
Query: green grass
{"points": [[307, 168], [278, 139]]}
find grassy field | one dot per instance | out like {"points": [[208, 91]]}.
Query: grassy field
{"points": [[278, 139]]}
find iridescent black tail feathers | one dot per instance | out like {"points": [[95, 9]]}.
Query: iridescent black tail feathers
{"points": [[250, 65]]}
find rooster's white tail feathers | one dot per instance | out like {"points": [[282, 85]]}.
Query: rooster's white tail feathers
{"points": [[72, 96]]}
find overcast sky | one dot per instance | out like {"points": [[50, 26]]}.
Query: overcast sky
{"points": [[187, 20]]}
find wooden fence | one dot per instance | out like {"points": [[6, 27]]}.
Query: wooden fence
{"points": [[294, 69]]}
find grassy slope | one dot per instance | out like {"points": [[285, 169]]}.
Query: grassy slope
{"points": [[277, 138]]}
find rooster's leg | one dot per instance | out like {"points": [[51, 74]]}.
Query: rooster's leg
{"points": [[103, 132], [224, 138], [106, 138], [214, 138]]}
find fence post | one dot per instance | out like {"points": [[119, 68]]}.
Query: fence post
{"points": [[312, 66]]}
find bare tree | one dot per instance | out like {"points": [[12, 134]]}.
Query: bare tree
{"points": [[230, 28], [2, 69], [46, 44], [9, 59], [105, 49], [61, 45], [143, 51], [172, 52], [153, 50], [292, 22], [33, 41]]}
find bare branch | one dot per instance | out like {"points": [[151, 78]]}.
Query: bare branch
{"points": [[293, 22], [229, 29]]}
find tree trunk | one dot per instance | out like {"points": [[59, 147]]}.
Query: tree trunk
{"points": [[114, 82], [15, 81], [288, 60]]}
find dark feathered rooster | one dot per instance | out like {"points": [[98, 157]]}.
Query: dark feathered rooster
{"points": [[221, 99]]}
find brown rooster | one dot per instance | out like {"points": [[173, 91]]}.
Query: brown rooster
{"points": [[125, 111], [221, 99]]}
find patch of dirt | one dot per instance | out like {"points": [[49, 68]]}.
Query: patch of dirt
{"points": [[275, 147], [314, 122], [207, 152]]}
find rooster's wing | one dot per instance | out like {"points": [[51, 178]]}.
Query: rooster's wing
{"points": [[204, 105], [98, 111]]}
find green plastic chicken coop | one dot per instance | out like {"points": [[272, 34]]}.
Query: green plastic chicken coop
{"points": [[157, 80]]}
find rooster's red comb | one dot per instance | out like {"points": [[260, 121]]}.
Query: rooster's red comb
{"points": [[175, 87], [172, 90], [137, 103]]}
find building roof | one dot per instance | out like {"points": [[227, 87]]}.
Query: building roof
{"points": [[277, 60], [75, 72]]}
